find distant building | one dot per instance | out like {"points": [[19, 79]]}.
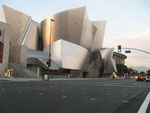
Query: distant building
{"points": [[119, 58]]}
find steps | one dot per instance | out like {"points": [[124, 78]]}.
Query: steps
{"points": [[19, 71]]}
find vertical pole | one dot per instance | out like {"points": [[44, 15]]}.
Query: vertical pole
{"points": [[49, 49], [50, 42], [51, 22]]}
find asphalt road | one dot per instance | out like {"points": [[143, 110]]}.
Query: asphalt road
{"points": [[73, 96]]}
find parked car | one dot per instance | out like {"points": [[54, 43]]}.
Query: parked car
{"points": [[140, 78], [147, 78]]}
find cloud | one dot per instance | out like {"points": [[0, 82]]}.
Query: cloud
{"points": [[140, 68], [139, 40], [134, 39]]}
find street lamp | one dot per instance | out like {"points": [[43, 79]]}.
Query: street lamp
{"points": [[48, 63], [49, 60]]}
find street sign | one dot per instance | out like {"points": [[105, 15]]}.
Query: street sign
{"points": [[127, 51]]}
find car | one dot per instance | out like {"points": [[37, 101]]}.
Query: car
{"points": [[140, 78], [147, 78]]}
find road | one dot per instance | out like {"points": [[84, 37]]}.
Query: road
{"points": [[73, 96]]}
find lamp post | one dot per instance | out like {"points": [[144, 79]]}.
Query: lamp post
{"points": [[49, 60]]}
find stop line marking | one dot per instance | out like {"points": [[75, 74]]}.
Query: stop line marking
{"points": [[145, 104]]}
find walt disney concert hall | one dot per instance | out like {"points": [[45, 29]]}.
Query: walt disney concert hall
{"points": [[68, 40]]}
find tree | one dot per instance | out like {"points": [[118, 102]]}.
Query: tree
{"points": [[131, 71], [142, 73], [148, 71], [122, 68]]}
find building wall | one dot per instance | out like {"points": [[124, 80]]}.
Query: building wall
{"points": [[31, 37], [4, 64], [67, 26], [24, 31], [99, 36], [119, 58], [18, 54], [18, 21]]}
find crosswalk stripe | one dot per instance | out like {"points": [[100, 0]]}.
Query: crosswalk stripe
{"points": [[145, 104]]}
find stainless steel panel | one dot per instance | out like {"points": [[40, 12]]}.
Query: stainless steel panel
{"points": [[40, 58], [67, 26], [31, 36], [95, 65], [99, 36], [18, 21], [88, 33], [109, 64], [68, 55]]}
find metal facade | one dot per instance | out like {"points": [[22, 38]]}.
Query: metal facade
{"points": [[75, 42]]}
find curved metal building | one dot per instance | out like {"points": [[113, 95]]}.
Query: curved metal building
{"points": [[71, 30], [24, 31], [73, 26], [74, 42]]}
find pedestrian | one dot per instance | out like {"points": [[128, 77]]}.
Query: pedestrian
{"points": [[113, 77]]}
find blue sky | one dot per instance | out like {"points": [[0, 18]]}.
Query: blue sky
{"points": [[128, 21]]}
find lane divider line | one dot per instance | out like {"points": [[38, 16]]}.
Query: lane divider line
{"points": [[145, 104]]}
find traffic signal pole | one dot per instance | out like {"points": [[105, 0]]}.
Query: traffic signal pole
{"points": [[137, 50], [119, 49]]}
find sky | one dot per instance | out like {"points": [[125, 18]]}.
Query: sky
{"points": [[127, 21]]}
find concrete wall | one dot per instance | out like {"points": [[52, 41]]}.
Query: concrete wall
{"points": [[4, 64], [18, 54]]}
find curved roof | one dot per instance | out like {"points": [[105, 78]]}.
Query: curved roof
{"points": [[40, 58]]}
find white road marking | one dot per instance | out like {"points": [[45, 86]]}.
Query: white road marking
{"points": [[144, 106], [3, 89], [84, 92], [92, 99], [107, 94], [40, 93], [44, 89], [64, 96], [20, 91], [125, 101], [62, 90]]}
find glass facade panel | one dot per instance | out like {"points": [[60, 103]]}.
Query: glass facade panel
{"points": [[1, 44]]}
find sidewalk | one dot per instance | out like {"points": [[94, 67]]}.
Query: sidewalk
{"points": [[20, 79], [54, 79]]}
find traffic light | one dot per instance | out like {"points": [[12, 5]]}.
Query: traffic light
{"points": [[119, 48], [48, 64]]}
